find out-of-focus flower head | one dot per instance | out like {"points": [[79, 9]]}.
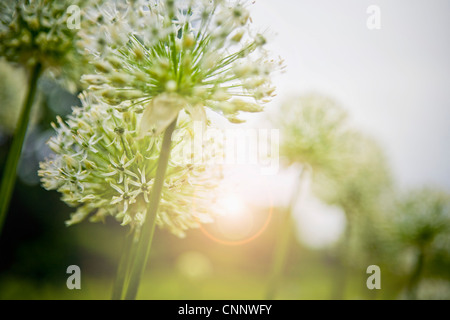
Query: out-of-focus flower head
{"points": [[363, 181], [41, 31], [177, 55], [422, 216], [418, 224], [315, 132], [350, 169], [103, 168]]}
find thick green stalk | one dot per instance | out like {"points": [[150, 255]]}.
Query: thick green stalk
{"points": [[282, 245], [9, 172], [148, 228]]}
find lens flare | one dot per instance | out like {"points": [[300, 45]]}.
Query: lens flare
{"points": [[240, 220], [230, 206]]}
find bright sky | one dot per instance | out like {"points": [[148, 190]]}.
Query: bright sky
{"points": [[393, 81]]}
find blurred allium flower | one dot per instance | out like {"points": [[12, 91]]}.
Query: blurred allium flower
{"points": [[177, 55], [350, 169], [103, 168], [315, 132], [421, 223], [363, 181], [40, 31], [421, 216]]}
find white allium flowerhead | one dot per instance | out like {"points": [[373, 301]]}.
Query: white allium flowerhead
{"points": [[40, 31], [103, 167], [316, 132], [195, 54]]}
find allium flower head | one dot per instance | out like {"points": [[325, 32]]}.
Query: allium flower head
{"points": [[103, 168], [34, 31], [362, 182], [422, 216], [315, 132], [350, 169], [179, 55]]}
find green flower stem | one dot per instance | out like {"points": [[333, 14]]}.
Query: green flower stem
{"points": [[124, 267], [416, 275], [341, 271], [9, 173], [282, 245], [148, 228]]}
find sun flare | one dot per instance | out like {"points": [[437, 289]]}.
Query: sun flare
{"points": [[230, 205]]}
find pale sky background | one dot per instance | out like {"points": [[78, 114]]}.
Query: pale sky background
{"points": [[395, 82]]}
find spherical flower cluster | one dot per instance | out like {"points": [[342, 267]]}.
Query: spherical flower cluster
{"points": [[362, 182], [38, 31], [315, 132], [180, 55], [104, 167], [422, 219]]}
